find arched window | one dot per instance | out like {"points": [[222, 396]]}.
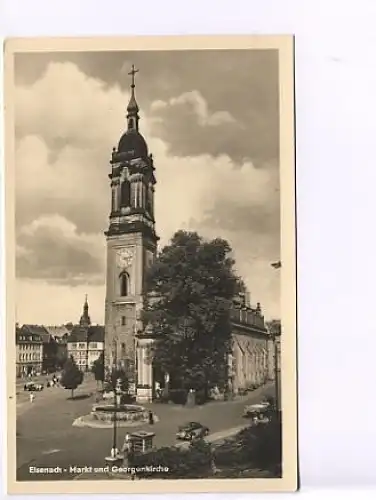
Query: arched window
{"points": [[125, 194], [148, 199], [124, 284]]}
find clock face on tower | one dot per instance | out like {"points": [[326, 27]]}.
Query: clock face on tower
{"points": [[124, 257]]}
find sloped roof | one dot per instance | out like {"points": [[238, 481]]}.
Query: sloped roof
{"points": [[38, 330], [94, 333], [57, 331]]}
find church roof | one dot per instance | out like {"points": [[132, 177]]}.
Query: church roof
{"points": [[133, 144]]}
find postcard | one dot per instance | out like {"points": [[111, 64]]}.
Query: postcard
{"points": [[151, 264]]}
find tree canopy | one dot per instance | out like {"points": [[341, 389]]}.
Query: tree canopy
{"points": [[189, 293], [98, 368], [72, 376], [117, 374]]}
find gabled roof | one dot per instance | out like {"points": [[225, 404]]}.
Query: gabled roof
{"points": [[38, 330], [94, 333], [24, 336]]}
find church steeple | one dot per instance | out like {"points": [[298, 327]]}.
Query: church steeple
{"points": [[132, 108], [85, 318]]}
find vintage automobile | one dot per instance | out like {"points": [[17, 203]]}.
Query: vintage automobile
{"points": [[191, 431], [258, 410], [33, 386]]}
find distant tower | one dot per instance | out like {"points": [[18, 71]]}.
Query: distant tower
{"points": [[85, 318], [131, 242]]}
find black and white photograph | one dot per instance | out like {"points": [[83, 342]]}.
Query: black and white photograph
{"points": [[151, 264]]}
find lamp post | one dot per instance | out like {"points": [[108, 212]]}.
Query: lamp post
{"points": [[276, 333], [115, 387]]}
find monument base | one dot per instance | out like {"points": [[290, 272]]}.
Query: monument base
{"points": [[144, 395]]}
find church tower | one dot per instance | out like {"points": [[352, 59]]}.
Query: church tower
{"points": [[131, 242], [85, 318]]}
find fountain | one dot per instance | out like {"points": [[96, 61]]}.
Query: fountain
{"points": [[120, 413]]}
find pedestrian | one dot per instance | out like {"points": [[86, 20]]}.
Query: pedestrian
{"points": [[151, 418], [32, 396], [127, 442]]}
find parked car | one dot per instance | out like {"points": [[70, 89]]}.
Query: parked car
{"points": [[32, 386], [192, 430], [256, 410]]}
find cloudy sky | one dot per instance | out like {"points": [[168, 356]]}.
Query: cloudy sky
{"points": [[211, 121]]}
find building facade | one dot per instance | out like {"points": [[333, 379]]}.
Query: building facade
{"points": [[49, 346], [131, 249], [86, 341], [29, 353], [249, 361]]}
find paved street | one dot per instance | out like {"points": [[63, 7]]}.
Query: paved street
{"points": [[46, 437]]}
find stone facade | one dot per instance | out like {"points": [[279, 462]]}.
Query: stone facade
{"points": [[131, 248], [250, 355]]}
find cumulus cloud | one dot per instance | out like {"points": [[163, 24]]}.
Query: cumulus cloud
{"points": [[67, 123], [194, 104], [50, 249], [191, 129]]}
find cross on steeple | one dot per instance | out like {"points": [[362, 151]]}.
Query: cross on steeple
{"points": [[132, 73]]}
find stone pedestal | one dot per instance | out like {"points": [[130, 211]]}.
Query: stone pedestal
{"points": [[116, 460], [144, 393]]}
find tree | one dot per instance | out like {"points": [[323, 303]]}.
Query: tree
{"points": [[72, 376], [98, 368], [194, 462], [189, 293], [117, 373], [61, 356]]}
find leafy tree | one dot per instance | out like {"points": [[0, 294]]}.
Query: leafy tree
{"points": [[194, 462], [189, 293], [61, 356], [72, 376], [256, 447], [117, 373], [98, 368]]}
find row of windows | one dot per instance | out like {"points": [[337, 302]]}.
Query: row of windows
{"points": [[27, 347], [83, 345], [29, 357], [84, 354], [29, 338]]}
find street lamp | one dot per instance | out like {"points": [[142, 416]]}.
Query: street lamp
{"points": [[116, 389], [276, 332]]}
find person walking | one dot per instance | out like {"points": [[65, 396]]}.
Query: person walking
{"points": [[32, 396]]}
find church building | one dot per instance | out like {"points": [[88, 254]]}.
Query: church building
{"points": [[131, 248]]}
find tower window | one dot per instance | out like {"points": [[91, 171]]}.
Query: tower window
{"points": [[113, 200], [125, 194], [123, 320], [124, 284]]}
